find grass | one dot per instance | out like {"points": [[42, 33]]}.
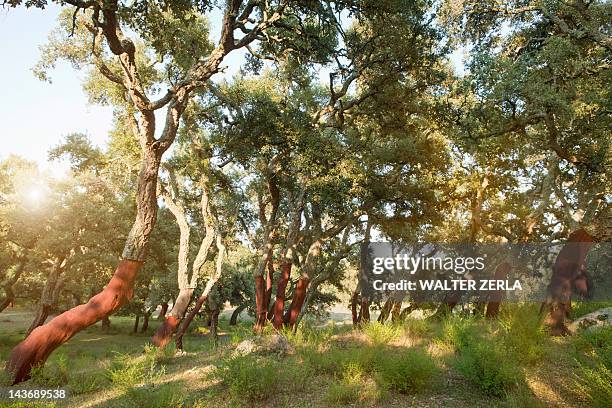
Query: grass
{"points": [[379, 333], [52, 375], [522, 333], [593, 356], [406, 371], [459, 361], [354, 385], [486, 366], [249, 377]]}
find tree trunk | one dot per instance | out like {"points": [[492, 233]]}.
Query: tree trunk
{"points": [[41, 317], [50, 294], [385, 311], [495, 298], [136, 323], [37, 347], [396, 312], [163, 311], [234, 318], [186, 284], [214, 319], [8, 300], [354, 302], [9, 282], [263, 291], [568, 268], [209, 286], [260, 304], [365, 311], [270, 315], [187, 321], [145, 323], [407, 310], [312, 288], [164, 333], [106, 323], [298, 300], [287, 263], [281, 287], [269, 279]]}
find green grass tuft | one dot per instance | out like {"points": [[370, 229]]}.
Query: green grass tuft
{"points": [[489, 368], [249, 377], [523, 333], [379, 333], [406, 371], [53, 374]]}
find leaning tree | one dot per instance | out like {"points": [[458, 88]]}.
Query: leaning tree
{"points": [[177, 32]]}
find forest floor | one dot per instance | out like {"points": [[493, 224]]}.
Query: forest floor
{"points": [[456, 362]]}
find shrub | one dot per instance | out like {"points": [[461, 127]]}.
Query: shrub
{"points": [[485, 365], [416, 327], [169, 395], [241, 333], [379, 333], [127, 371], [354, 385], [407, 371], [309, 338], [160, 355], [330, 361], [346, 389], [54, 374], [86, 383], [458, 331], [522, 333], [250, 377]]}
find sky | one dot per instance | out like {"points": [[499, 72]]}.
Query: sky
{"points": [[28, 126], [35, 115]]}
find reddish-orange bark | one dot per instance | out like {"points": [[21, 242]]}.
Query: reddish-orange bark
{"points": [[298, 300], [568, 273], [396, 311], [163, 311], [187, 321], [35, 349], [164, 333], [279, 305], [269, 278]]}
